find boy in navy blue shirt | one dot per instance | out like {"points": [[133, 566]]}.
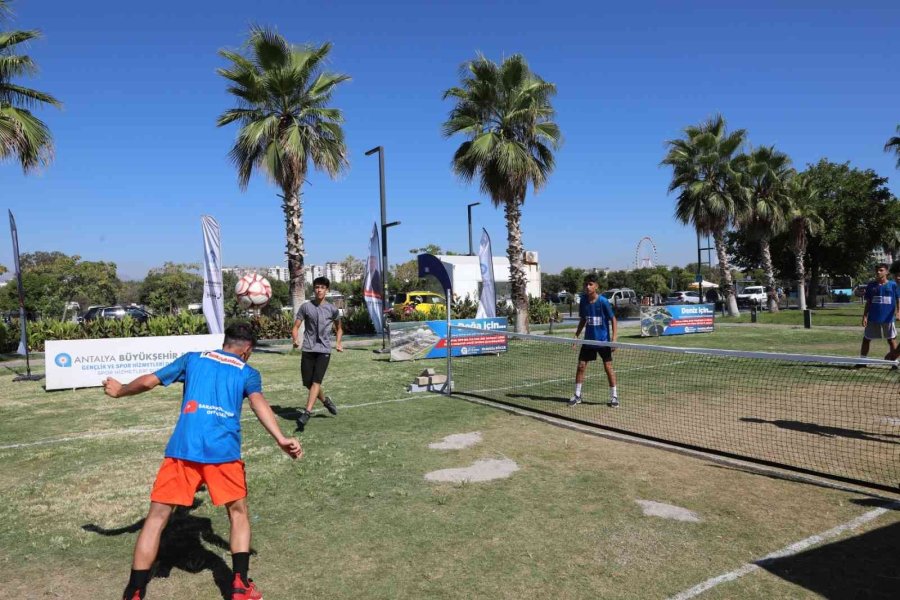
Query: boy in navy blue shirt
{"points": [[599, 323], [881, 310], [205, 449]]}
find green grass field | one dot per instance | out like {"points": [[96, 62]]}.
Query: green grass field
{"points": [[847, 315], [356, 518]]}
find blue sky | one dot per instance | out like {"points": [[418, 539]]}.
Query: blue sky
{"points": [[139, 159]]}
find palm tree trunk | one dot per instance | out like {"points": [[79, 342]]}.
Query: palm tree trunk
{"points": [[517, 279], [801, 277], [725, 273], [813, 289], [766, 251], [293, 220]]}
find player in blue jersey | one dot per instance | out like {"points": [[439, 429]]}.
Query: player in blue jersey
{"points": [[882, 309], [599, 323], [205, 449]]}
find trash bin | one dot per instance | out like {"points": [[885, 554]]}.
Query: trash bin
{"points": [[753, 313], [807, 318]]}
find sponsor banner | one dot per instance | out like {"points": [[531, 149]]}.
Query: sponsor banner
{"points": [[213, 297], [86, 363], [372, 288], [412, 340], [487, 304], [677, 319]]}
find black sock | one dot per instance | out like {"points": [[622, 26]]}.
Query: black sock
{"points": [[240, 561], [137, 581]]}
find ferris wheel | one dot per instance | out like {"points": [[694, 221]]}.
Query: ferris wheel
{"points": [[649, 258]]}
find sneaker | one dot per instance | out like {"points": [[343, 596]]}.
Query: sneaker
{"points": [[244, 591], [576, 399], [302, 420], [613, 402], [330, 405], [137, 595]]}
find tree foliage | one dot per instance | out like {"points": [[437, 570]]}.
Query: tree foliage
{"points": [[50, 279], [23, 137], [286, 125], [171, 287], [505, 113]]}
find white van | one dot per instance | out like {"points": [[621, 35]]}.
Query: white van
{"points": [[617, 296]]}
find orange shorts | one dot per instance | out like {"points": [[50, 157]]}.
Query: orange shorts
{"points": [[178, 480]]}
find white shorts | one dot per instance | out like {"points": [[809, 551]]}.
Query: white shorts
{"points": [[880, 331]]}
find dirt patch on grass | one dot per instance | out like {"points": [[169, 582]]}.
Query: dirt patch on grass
{"points": [[481, 470], [457, 441], [652, 508]]}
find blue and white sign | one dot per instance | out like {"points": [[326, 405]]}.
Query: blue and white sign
{"points": [[86, 363], [677, 319], [412, 340]]}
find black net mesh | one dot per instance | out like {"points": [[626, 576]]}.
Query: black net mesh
{"points": [[830, 416]]}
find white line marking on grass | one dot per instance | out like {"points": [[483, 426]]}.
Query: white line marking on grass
{"points": [[512, 387], [790, 550], [247, 415], [84, 436]]}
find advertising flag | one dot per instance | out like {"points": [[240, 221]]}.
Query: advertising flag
{"points": [[372, 286], [23, 336], [213, 294], [487, 304]]}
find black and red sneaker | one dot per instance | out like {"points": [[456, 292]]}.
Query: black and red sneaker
{"points": [[138, 594], [244, 591]]}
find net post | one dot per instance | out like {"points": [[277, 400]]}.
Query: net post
{"points": [[448, 385]]}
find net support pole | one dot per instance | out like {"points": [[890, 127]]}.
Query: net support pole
{"points": [[448, 385]]}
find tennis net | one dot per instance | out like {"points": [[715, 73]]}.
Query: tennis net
{"points": [[829, 416]]}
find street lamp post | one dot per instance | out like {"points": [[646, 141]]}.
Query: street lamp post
{"points": [[469, 210], [384, 228]]}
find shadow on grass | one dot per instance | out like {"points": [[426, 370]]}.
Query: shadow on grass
{"points": [[557, 399], [181, 546], [864, 566], [825, 430]]}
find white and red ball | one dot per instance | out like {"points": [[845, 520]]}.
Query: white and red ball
{"points": [[253, 291]]}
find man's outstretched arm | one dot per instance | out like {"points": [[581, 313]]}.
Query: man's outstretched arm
{"points": [[144, 383], [266, 416]]}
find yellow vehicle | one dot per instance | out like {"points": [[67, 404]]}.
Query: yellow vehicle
{"points": [[421, 301]]}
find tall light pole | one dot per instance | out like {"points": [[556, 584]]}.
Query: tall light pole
{"points": [[469, 210], [384, 228]]}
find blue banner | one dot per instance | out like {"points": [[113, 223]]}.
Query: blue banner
{"points": [[677, 319], [411, 340]]}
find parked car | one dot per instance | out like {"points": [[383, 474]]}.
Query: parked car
{"points": [[683, 298], [752, 295], [116, 312], [421, 301], [618, 296], [565, 298]]}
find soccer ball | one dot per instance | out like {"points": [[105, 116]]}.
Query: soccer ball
{"points": [[253, 291]]}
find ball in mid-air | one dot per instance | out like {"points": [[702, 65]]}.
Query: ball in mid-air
{"points": [[253, 291]]}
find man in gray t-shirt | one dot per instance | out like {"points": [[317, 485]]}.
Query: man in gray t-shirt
{"points": [[319, 317]]}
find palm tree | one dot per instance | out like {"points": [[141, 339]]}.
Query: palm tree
{"points": [[802, 221], [23, 137], [283, 93], [764, 177], [893, 145], [505, 112], [705, 173]]}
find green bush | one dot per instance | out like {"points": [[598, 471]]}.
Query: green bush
{"points": [[626, 310], [465, 308], [51, 329], [357, 321], [540, 311]]}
